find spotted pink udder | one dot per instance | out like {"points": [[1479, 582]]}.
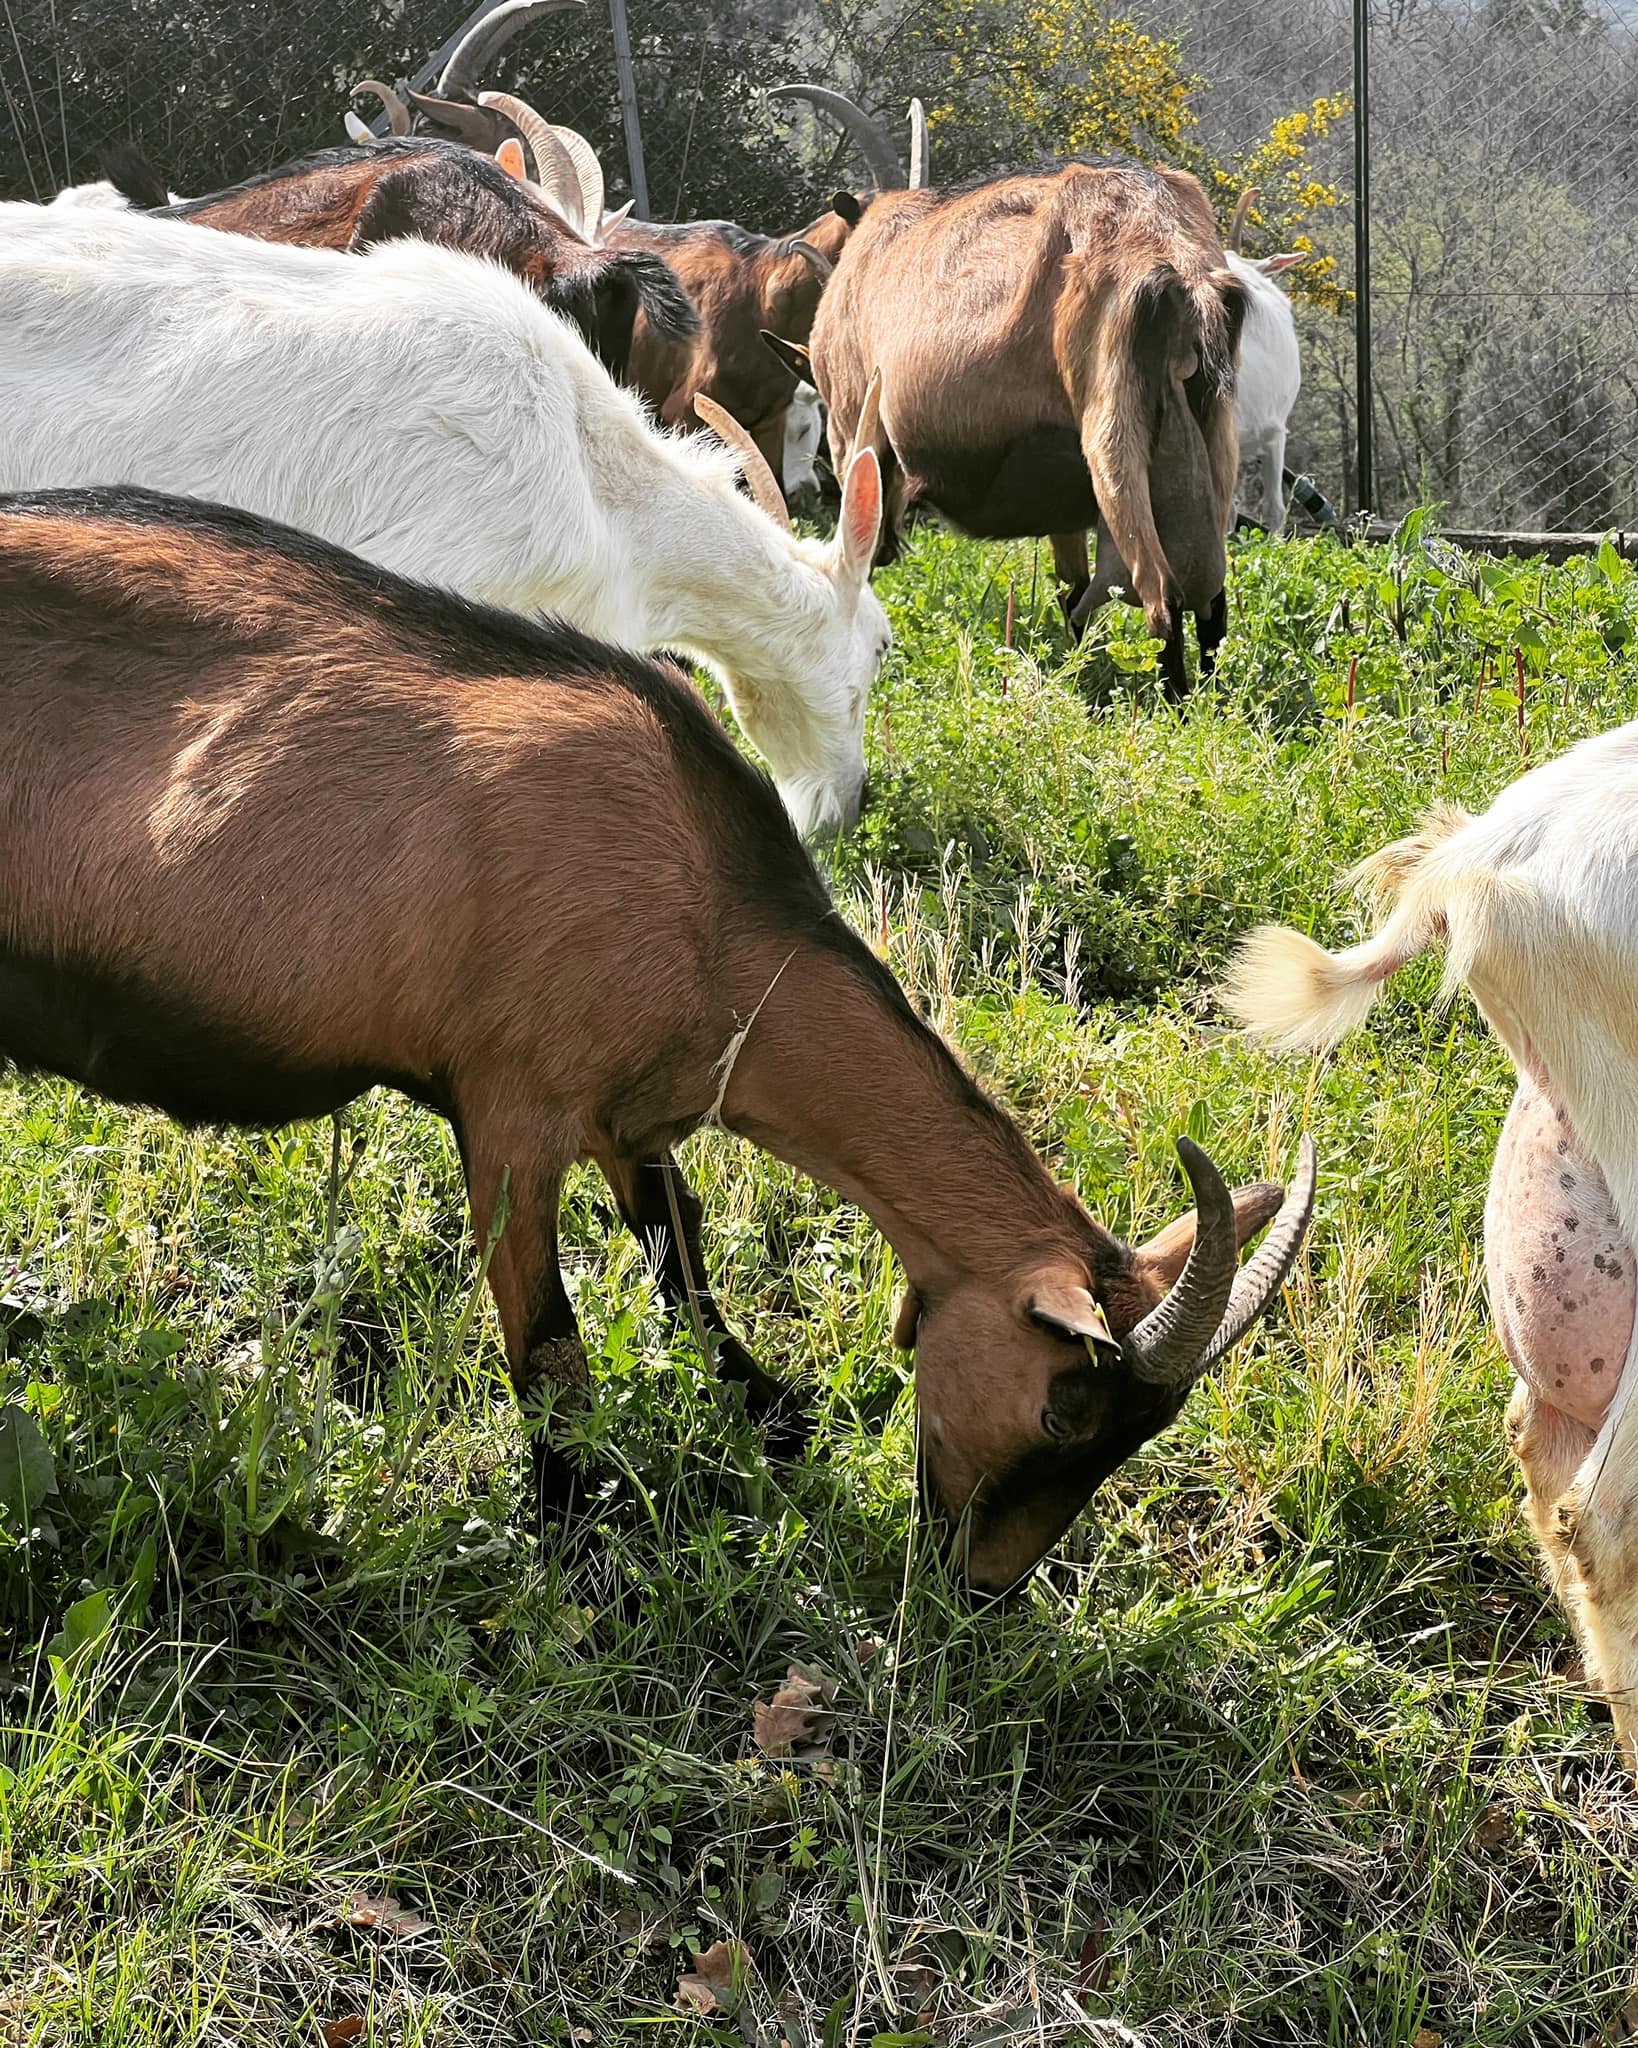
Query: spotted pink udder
{"points": [[1563, 1280]]}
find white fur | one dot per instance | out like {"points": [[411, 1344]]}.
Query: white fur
{"points": [[804, 429], [100, 195], [1270, 378], [1536, 906], [424, 408]]}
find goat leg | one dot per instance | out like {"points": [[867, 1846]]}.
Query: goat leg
{"points": [[640, 1188], [1211, 628]]}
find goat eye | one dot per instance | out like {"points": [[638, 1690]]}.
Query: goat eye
{"points": [[1054, 1426]]}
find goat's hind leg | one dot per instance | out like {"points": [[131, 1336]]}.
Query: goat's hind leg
{"points": [[1592, 1526], [641, 1189]]}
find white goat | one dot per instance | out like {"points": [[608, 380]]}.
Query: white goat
{"points": [[424, 409], [1536, 906], [804, 430], [1266, 391]]}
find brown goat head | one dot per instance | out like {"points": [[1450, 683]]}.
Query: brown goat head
{"points": [[1033, 1386]]}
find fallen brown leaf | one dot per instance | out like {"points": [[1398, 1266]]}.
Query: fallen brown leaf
{"points": [[386, 1915], [1092, 1966], [337, 2033], [865, 1648], [716, 1980], [799, 1720], [1494, 1826], [1425, 2037]]}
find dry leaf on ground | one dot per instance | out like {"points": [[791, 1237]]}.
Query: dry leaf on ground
{"points": [[716, 1980], [386, 1915], [799, 1720], [1425, 2037], [1494, 1826], [337, 2033]]}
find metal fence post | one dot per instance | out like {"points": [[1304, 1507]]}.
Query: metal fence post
{"points": [[628, 106], [1362, 253]]}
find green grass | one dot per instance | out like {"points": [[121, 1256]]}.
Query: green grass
{"points": [[1283, 1746]]}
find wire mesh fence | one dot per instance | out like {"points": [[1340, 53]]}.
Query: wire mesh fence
{"points": [[1504, 147]]}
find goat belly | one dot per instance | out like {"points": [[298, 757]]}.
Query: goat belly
{"points": [[1561, 1273]]}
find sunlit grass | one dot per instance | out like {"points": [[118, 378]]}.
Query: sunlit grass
{"points": [[1284, 1746]]}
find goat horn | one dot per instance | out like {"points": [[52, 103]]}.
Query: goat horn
{"points": [[357, 130], [921, 161], [589, 175], [554, 167], [821, 263], [1261, 1277], [872, 139], [759, 478], [1237, 226], [867, 431], [612, 220], [485, 39], [1167, 1346], [398, 115]]}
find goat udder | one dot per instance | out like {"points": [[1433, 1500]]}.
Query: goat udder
{"points": [[1563, 1278]]}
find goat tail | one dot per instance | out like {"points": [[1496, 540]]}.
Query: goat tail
{"points": [[1285, 988], [670, 312]]}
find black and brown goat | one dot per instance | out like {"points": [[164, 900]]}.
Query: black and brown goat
{"points": [[358, 194], [1053, 346], [280, 827], [745, 286]]}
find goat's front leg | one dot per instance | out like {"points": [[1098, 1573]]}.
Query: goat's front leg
{"points": [[545, 1357], [640, 1188], [1074, 573], [1211, 629]]}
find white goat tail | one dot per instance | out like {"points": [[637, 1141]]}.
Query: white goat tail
{"points": [[1285, 988]]}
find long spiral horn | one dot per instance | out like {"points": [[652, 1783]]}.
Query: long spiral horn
{"points": [[485, 39]]}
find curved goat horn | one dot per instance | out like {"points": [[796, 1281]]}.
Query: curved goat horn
{"points": [[877, 151], [1237, 226], [589, 174], [759, 478], [485, 39], [920, 155], [554, 168], [398, 115], [867, 431], [816, 258], [1262, 1276], [1167, 1346]]}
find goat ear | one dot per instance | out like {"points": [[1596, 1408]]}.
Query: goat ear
{"points": [[510, 158], [1271, 266], [861, 522], [1163, 1256], [1059, 1303], [907, 1321], [792, 354], [848, 207]]}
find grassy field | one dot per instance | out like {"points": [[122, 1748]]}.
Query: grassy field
{"points": [[302, 1739]]}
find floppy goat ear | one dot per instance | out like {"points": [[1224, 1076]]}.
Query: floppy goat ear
{"points": [[1271, 266], [1060, 1304], [510, 158], [848, 207], [1164, 1254], [792, 354]]}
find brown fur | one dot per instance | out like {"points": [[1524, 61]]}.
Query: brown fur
{"points": [[741, 284], [1052, 348], [348, 198], [276, 827]]}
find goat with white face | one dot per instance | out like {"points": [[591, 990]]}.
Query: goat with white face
{"points": [[804, 430], [1269, 380], [426, 410]]}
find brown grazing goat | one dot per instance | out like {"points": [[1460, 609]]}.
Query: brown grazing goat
{"points": [[280, 827], [745, 286], [353, 195], [1053, 347]]}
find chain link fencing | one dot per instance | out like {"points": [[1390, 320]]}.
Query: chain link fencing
{"points": [[1504, 149]]}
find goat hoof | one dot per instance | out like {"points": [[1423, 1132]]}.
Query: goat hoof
{"points": [[775, 1408]]}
